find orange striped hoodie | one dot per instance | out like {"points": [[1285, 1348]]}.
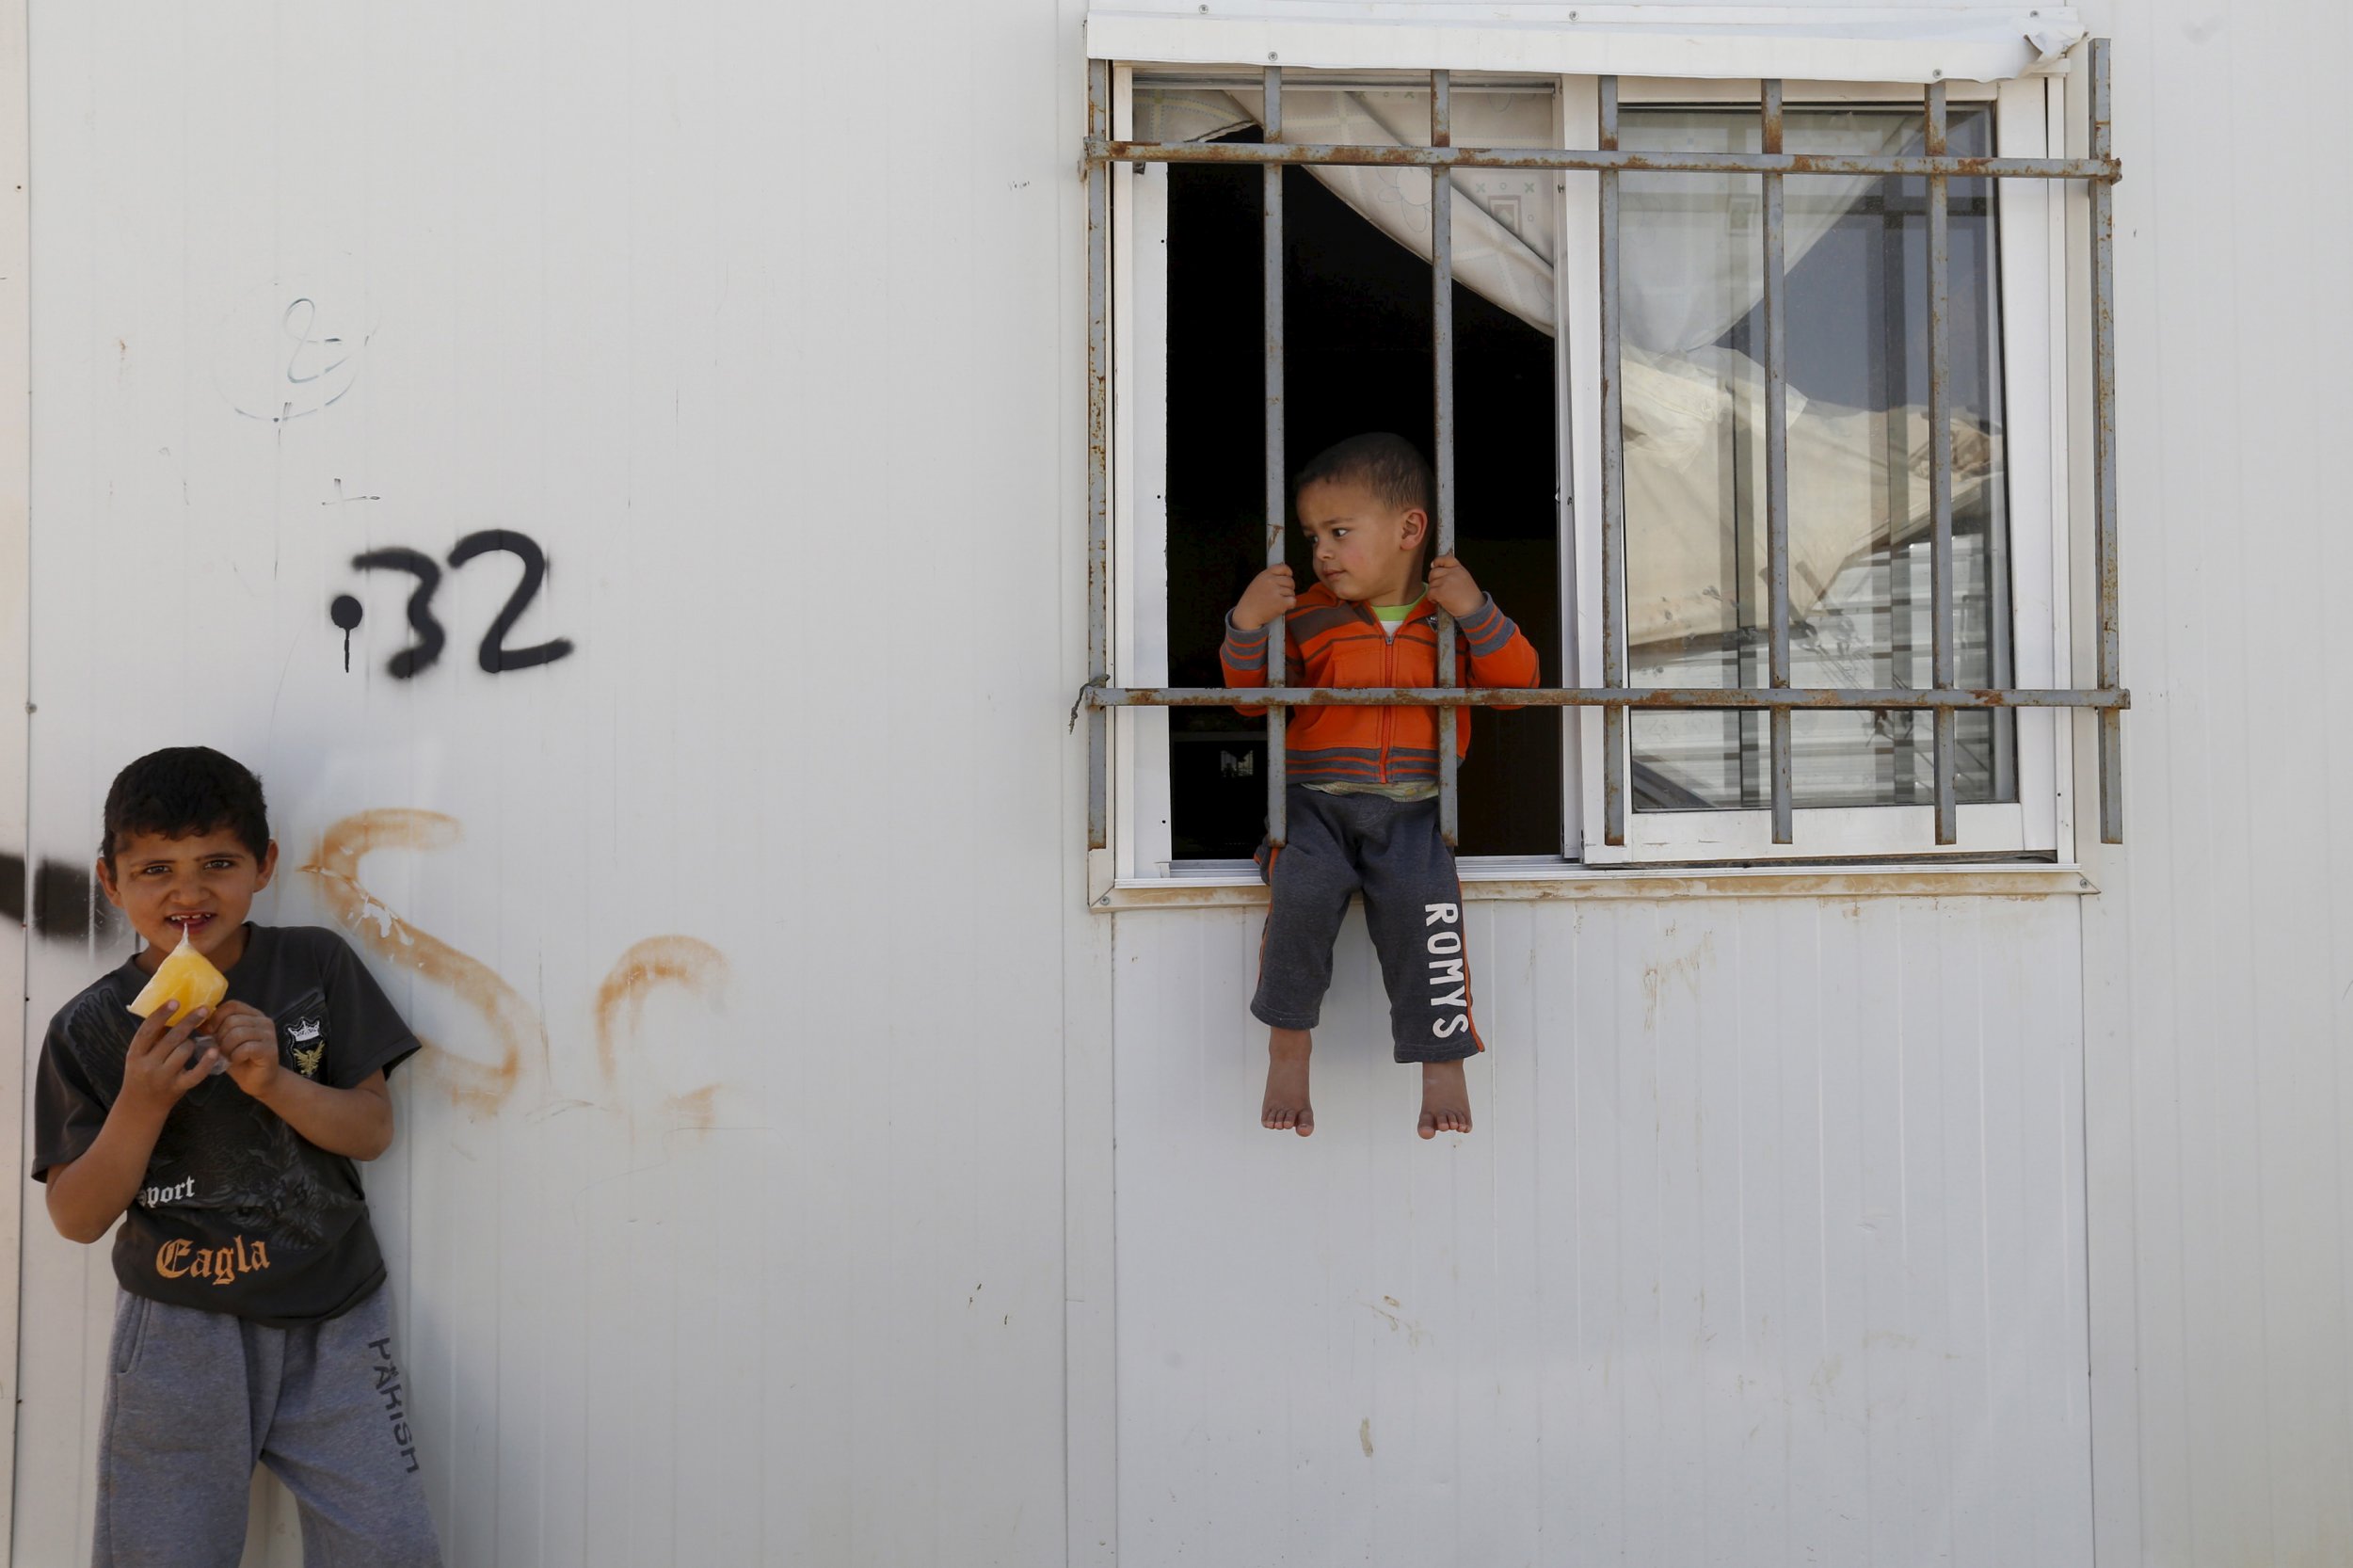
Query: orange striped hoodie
{"points": [[1329, 640]]}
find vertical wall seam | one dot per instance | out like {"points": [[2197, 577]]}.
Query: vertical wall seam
{"points": [[16, 709]]}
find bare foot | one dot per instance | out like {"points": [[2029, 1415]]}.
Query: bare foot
{"points": [[1286, 1106], [1444, 1099]]}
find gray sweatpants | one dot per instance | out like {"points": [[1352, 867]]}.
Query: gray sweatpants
{"points": [[1391, 852], [198, 1399]]}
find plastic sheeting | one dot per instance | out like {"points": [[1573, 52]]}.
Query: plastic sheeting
{"points": [[1689, 402]]}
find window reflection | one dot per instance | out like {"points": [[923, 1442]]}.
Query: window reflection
{"points": [[1694, 380]]}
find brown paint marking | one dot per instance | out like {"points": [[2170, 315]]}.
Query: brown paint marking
{"points": [[683, 961], [479, 1085], [1686, 969]]}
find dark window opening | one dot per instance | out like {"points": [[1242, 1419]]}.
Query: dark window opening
{"points": [[1358, 357]]}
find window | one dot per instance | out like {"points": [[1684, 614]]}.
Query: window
{"points": [[1693, 395], [1860, 457], [1186, 494], [1357, 356]]}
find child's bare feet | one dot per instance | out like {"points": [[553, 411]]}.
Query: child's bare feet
{"points": [[1444, 1099], [1286, 1106]]}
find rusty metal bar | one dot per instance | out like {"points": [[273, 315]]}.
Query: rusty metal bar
{"points": [[1679, 697], [1442, 375], [1277, 504], [1777, 468], [1605, 160], [1613, 719], [1940, 587], [1893, 281], [2103, 451], [1098, 456], [2000, 630]]}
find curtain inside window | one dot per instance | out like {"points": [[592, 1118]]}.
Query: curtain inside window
{"points": [[1698, 605], [1688, 396], [1693, 386], [1504, 219]]}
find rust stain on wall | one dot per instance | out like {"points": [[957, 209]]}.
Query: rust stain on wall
{"points": [[473, 1082], [682, 961], [1685, 969]]}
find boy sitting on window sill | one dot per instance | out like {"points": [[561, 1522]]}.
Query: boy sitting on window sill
{"points": [[1361, 793]]}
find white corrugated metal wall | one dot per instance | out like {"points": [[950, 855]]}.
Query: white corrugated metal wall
{"points": [[1768, 1248], [2219, 962], [759, 321], [809, 1255]]}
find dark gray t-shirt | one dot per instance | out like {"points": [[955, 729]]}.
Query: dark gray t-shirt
{"points": [[239, 1213]]}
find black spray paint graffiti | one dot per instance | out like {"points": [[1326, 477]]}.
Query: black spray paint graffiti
{"points": [[62, 902], [494, 656]]}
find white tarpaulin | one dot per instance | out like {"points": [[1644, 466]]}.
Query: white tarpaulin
{"points": [[1678, 469], [1505, 220], [1693, 408]]}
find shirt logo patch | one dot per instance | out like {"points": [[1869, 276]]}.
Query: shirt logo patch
{"points": [[305, 1037]]}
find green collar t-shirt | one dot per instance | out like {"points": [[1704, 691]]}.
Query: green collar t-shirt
{"points": [[1391, 617]]}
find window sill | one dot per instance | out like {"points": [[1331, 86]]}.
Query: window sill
{"points": [[1532, 882]]}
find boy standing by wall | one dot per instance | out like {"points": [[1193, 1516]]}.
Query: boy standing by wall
{"points": [[1363, 782], [252, 1325]]}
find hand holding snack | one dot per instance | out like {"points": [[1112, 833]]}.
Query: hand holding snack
{"points": [[248, 1039], [164, 1061]]}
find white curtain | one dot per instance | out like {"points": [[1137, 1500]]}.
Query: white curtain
{"points": [[1679, 409], [1504, 219], [1692, 286], [1694, 267]]}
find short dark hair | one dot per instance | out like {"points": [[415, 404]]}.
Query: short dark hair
{"points": [[182, 790], [1389, 466]]}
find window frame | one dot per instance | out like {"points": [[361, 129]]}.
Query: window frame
{"points": [[1143, 802], [2040, 824], [2038, 322]]}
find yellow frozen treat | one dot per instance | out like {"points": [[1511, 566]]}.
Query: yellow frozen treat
{"points": [[186, 976]]}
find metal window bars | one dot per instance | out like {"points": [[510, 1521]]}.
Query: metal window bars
{"points": [[1779, 698]]}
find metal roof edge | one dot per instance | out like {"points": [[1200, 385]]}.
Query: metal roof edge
{"points": [[1983, 43]]}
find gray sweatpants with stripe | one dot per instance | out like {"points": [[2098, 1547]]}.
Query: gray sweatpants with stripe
{"points": [[1391, 852], [198, 1399]]}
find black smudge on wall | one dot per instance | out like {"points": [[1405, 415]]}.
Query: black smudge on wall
{"points": [[61, 900]]}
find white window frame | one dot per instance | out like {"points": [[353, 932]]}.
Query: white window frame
{"points": [[2036, 833], [2039, 825]]}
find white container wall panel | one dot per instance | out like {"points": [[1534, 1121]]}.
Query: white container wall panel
{"points": [[725, 1218], [728, 1218], [2219, 957], [1768, 1248]]}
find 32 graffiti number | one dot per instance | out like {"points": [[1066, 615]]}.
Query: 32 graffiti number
{"points": [[494, 656], [430, 639]]}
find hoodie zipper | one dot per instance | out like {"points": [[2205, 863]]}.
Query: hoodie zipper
{"points": [[1388, 678]]}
